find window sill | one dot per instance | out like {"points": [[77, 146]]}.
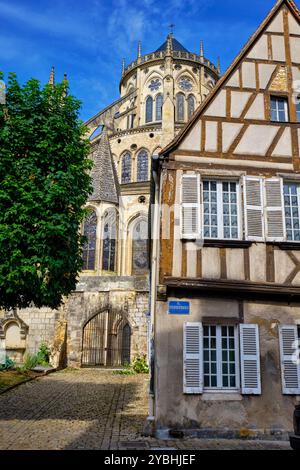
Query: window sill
{"points": [[290, 245], [215, 243], [222, 396]]}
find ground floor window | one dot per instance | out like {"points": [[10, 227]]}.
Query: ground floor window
{"points": [[220, 357]]}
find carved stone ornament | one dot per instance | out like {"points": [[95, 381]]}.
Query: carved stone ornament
{"points": [[11, 316]]}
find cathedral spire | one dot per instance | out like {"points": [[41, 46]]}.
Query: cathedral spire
{"points": [[139, 49], [219, 65], [52, 77], [202, 50]]}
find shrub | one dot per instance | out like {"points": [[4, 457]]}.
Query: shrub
{"points": [[30, 361], [43, 355], [139, 365], [8, 364]]}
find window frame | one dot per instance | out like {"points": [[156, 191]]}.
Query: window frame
{"points": [[220, 388], [298, 108], [220, 214], [126, 154], [112, 236], [159, 109], [142, 153], [180, 95], [147, 116], [286, 108], [86, 250], [297, 184]]}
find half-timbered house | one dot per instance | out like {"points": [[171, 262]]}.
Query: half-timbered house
{"points": [[226, 302]]}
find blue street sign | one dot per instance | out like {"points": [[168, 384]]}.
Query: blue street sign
{"points": [[179, 308]]}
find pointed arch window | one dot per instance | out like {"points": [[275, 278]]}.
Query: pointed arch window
{"points": [[89, 248], [149, 109], [109, 241], [140, 248], [191, 106], [142, 166], [126, 169], [158, 109], [180, 99]]}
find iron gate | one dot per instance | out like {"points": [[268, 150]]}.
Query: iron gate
{"points": [[106, 340]]}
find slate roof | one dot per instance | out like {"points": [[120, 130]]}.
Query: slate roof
{"points": [[104, 175], [176, 46]]}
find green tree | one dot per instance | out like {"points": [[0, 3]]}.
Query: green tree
{"points": [[44, 185]]}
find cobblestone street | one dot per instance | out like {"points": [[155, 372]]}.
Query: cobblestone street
{"points": [[89, 409]]}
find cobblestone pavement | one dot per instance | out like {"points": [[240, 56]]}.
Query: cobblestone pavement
{"points": [[89, 409]]}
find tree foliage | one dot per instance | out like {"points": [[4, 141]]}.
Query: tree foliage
{"points": [[44, 185]]}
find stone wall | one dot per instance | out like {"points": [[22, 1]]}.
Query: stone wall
{"points": [[62, 329]]}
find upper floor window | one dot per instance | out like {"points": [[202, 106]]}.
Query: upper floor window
{"points": [[140, 247], [149, 109], [89, 249], [159, 105], [220, 209], [279, 109], [298, 109], [180, 103], [109, 241], [142, 166], [126, 169], [292, 216], [191, 105]]}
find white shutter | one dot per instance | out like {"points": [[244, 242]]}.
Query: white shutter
{"points": [[250, 360], [193, 358], [253, 202], [274, 211], [290, 370], [190, 207]]}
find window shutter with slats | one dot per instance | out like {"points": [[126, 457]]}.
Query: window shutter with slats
{"points": [[250, 360], [190, 207], [274, 210], [192, 358], [253, 203], [290, 370]]}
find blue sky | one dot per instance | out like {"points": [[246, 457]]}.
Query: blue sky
{"points": [[89, 39]]}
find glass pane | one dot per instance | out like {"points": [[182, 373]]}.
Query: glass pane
{"points": [[142, 166], [89, 249], [126, 169]]}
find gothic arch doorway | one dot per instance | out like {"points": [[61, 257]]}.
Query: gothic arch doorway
{"points": [[106, 340]]}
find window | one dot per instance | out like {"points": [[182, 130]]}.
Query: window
{"points": [[89, 249], [140, 248], [159, 104], [221, 209], [109, 241], [142, 166], [130, 121], [126, 169], [298, 108], [149, 109], [191, 105], [279, 109], [180, 99], [220, 357], [291, 207]]}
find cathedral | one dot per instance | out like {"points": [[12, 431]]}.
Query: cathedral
{"points": [[106, 322]]}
